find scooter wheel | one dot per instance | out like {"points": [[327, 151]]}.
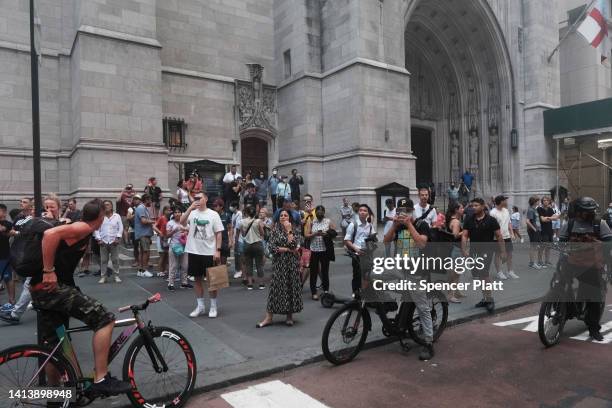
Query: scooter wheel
{"points": [[327, 300]]}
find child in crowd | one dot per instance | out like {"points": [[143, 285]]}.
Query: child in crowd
{"points": [[515, 220]]}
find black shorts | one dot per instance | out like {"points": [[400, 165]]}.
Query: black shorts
{"points": [[197, 264], [534, 236], [509, 246], [546, 236], [57, 307]]}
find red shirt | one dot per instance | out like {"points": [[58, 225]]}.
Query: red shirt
{"points": [[161, 225]]}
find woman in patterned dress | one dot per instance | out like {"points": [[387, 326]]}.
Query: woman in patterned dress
{"points": [[285, 295]]}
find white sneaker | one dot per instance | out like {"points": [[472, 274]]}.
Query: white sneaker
{"points": [[512, 275], [30, 306], [501, 275], [522, 240], [146, 274], [238, 275], [102, 280], [212, 313], [536, 265], [117, 279], [192, 278], [199, 311]]}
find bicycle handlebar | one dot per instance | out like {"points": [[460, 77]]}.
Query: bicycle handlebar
{"points": [[153, 299]]}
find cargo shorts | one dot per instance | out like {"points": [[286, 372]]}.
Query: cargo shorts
{"points": [[58, 306]]}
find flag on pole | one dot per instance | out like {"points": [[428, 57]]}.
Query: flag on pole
{"points": [[594, 28]]}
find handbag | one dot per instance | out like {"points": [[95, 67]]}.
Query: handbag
{"points": [[178, 249], [183, 239], [217, 277]]}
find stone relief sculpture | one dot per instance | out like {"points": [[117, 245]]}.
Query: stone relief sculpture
{"points": [[494, 152], [256, 102], [454, 153], [473, 125], [474, 147], [493, 122]]}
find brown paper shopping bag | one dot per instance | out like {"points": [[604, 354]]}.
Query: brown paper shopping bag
{"points": [[217, 277]]}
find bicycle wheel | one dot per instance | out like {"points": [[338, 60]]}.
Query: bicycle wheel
{"points": [[170, 388], [19, 365], [439, 317], [344, 334], [551, 321]]}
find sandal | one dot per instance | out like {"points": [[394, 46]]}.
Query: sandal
{"points": [[315, 297], [262, 325], [289, 323]]}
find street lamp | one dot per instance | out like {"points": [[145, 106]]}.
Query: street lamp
{"points": [[35, 116]]}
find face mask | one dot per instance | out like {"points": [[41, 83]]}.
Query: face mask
{"points": [[232, 209], [261, 176], [274, 172]]}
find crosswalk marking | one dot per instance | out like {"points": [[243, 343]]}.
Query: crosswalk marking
{"points": [[532, 320], [532, 326], [272, 394]]}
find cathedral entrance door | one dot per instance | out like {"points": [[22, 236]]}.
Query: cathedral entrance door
{"points": [[254, 156], [422, 150]]}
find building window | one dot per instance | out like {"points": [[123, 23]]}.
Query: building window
{"points": [[174, 133], [287, 59]]}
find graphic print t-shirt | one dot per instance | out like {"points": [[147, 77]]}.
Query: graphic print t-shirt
{"points": [[202, 228]]}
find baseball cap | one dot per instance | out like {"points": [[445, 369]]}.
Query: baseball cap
{"points": [[405, 203], [138, 197], [499, 199], [129, 187]]}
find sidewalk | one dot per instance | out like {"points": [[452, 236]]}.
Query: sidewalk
{"points": [[230, 349]]}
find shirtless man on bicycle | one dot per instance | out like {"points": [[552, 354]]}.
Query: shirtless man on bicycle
{"points": [[56, 297]]}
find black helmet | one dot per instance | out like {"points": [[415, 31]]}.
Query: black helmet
{"points": [[585, 204]]}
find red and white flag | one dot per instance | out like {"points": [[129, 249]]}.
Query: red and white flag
{"points": [[594, 28]]}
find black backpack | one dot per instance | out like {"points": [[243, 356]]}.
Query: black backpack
{"points": [[26, 251]]}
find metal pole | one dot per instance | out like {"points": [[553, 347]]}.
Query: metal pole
{"points": [[557, 198], [579, 168], [35, 117]]}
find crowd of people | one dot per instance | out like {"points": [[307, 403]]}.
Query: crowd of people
{"points": [[260, 219]]}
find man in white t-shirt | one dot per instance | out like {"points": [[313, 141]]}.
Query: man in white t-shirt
{"points": [[502, 215], [423, 207], [203, 248]]}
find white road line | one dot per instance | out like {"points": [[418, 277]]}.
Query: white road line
{"points": [[272, 394], [532, 326]]}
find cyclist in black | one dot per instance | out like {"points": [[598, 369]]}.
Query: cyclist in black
{"points": [[585, 234], [56, 297]]}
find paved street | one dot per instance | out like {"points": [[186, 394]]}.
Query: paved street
{"points": [[230, 349], [477, 364]]}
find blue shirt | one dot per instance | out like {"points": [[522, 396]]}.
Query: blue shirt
{"points": [[467, 179], [273, 181], [140, 229]]}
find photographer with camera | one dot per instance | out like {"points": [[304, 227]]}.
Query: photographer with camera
{"points": [[410, 236], [585, 233]]}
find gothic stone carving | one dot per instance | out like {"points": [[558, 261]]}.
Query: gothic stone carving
{"points": [[256, 102]]}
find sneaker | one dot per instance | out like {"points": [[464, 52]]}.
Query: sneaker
{"points": [[8, 317], [198, 311], [490, 306], [212, 313], [547, 264], [192, 278], [111, 386], [30, 306], [162, 274], [171, 288], [249, 287], [186, 285], [117, 279], [522, 240], [482, 303], [98, 273], [238, 275], [102, 280], [262, 286], [7, 307], [512, 275], [145, 274], [543, 266], [427, 352], [501, 275], [453, 299], [534, 265], [83, 273]]}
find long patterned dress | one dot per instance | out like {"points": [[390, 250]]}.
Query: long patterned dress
{"points": [[285, 295]]}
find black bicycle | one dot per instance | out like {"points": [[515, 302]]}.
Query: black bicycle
{"points": [[347, 329], [159, 364], [560, 305]]}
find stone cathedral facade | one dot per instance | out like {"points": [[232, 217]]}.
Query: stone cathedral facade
{"points": [[356, 94]]}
